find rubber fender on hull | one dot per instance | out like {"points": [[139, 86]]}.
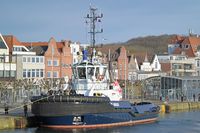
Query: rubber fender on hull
{"points": [[82, 99]]}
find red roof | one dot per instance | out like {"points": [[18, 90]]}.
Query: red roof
{"points": [[10, 40], [192, 41], [34, 43]]}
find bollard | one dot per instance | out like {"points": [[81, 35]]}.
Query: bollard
{"points": [[162, 108], [167, 109]]}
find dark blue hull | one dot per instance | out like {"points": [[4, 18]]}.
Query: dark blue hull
{"points": [[95, 120], [91, 112]]}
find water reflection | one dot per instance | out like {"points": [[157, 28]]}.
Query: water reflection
{"points": [[184, 122], [104, 130]]}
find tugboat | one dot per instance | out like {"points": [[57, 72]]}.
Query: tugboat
{"points": [[95, 101]]}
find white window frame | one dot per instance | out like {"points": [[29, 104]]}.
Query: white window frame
{"points": [[49, 62], [24, 73], [33, 72], [55, 74], [37, 60], [37, 73], [24, 59], [42, 73], [29, 72], [28, 59], [48, 74], [55, 63], [33, 60], [41, 59]]}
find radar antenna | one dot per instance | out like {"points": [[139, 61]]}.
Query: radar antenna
{"points": [[92, 19]]}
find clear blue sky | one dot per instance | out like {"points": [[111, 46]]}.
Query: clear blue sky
{"points": [[38, 20]]}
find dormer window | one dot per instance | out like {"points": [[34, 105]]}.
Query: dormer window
{"points": [[20, 49], [182, 52]]}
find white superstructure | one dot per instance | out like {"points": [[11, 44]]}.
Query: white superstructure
{"points": [[92, 79]]}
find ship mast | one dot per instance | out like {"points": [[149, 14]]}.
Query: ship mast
{"points": [[93, 18]]}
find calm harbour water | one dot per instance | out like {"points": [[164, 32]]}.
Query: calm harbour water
{"points": [[176, 122]]}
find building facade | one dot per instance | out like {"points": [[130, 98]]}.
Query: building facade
{"points": [[30, 67], [58, 60], [76, 53], [122, 64], [7, 62]]}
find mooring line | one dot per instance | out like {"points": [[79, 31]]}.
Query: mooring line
{"points": [[21, 106]]}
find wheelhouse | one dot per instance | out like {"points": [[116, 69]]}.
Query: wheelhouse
{"points": [[87, 70]]}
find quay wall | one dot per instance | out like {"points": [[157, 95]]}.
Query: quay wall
{"points": [[12, 122], [177, 106]]}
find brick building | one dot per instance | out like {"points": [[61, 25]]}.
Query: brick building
{"points": [[58, 59], [122, 63]]}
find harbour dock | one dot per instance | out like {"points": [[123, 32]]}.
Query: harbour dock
{"points": [[178, 106], [12, 122], [16, 122]]}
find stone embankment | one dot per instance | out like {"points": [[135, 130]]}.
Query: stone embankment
{"points": [[12, 122], [177, 106]]}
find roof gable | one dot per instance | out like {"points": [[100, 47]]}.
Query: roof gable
{"points": [[52, 49], [188, 45], [3, 44], [140, 57]]}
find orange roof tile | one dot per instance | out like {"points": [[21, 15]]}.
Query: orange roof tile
{"points": [[11, 40], [193, 41], [187, 52], [34, 43]]}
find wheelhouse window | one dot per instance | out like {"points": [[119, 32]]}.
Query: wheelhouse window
{"points": [[100, 73], [97, 72], [82, 73], [90, 72]]}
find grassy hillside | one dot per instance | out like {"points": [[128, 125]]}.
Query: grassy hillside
{"points": [[150, 44]]}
